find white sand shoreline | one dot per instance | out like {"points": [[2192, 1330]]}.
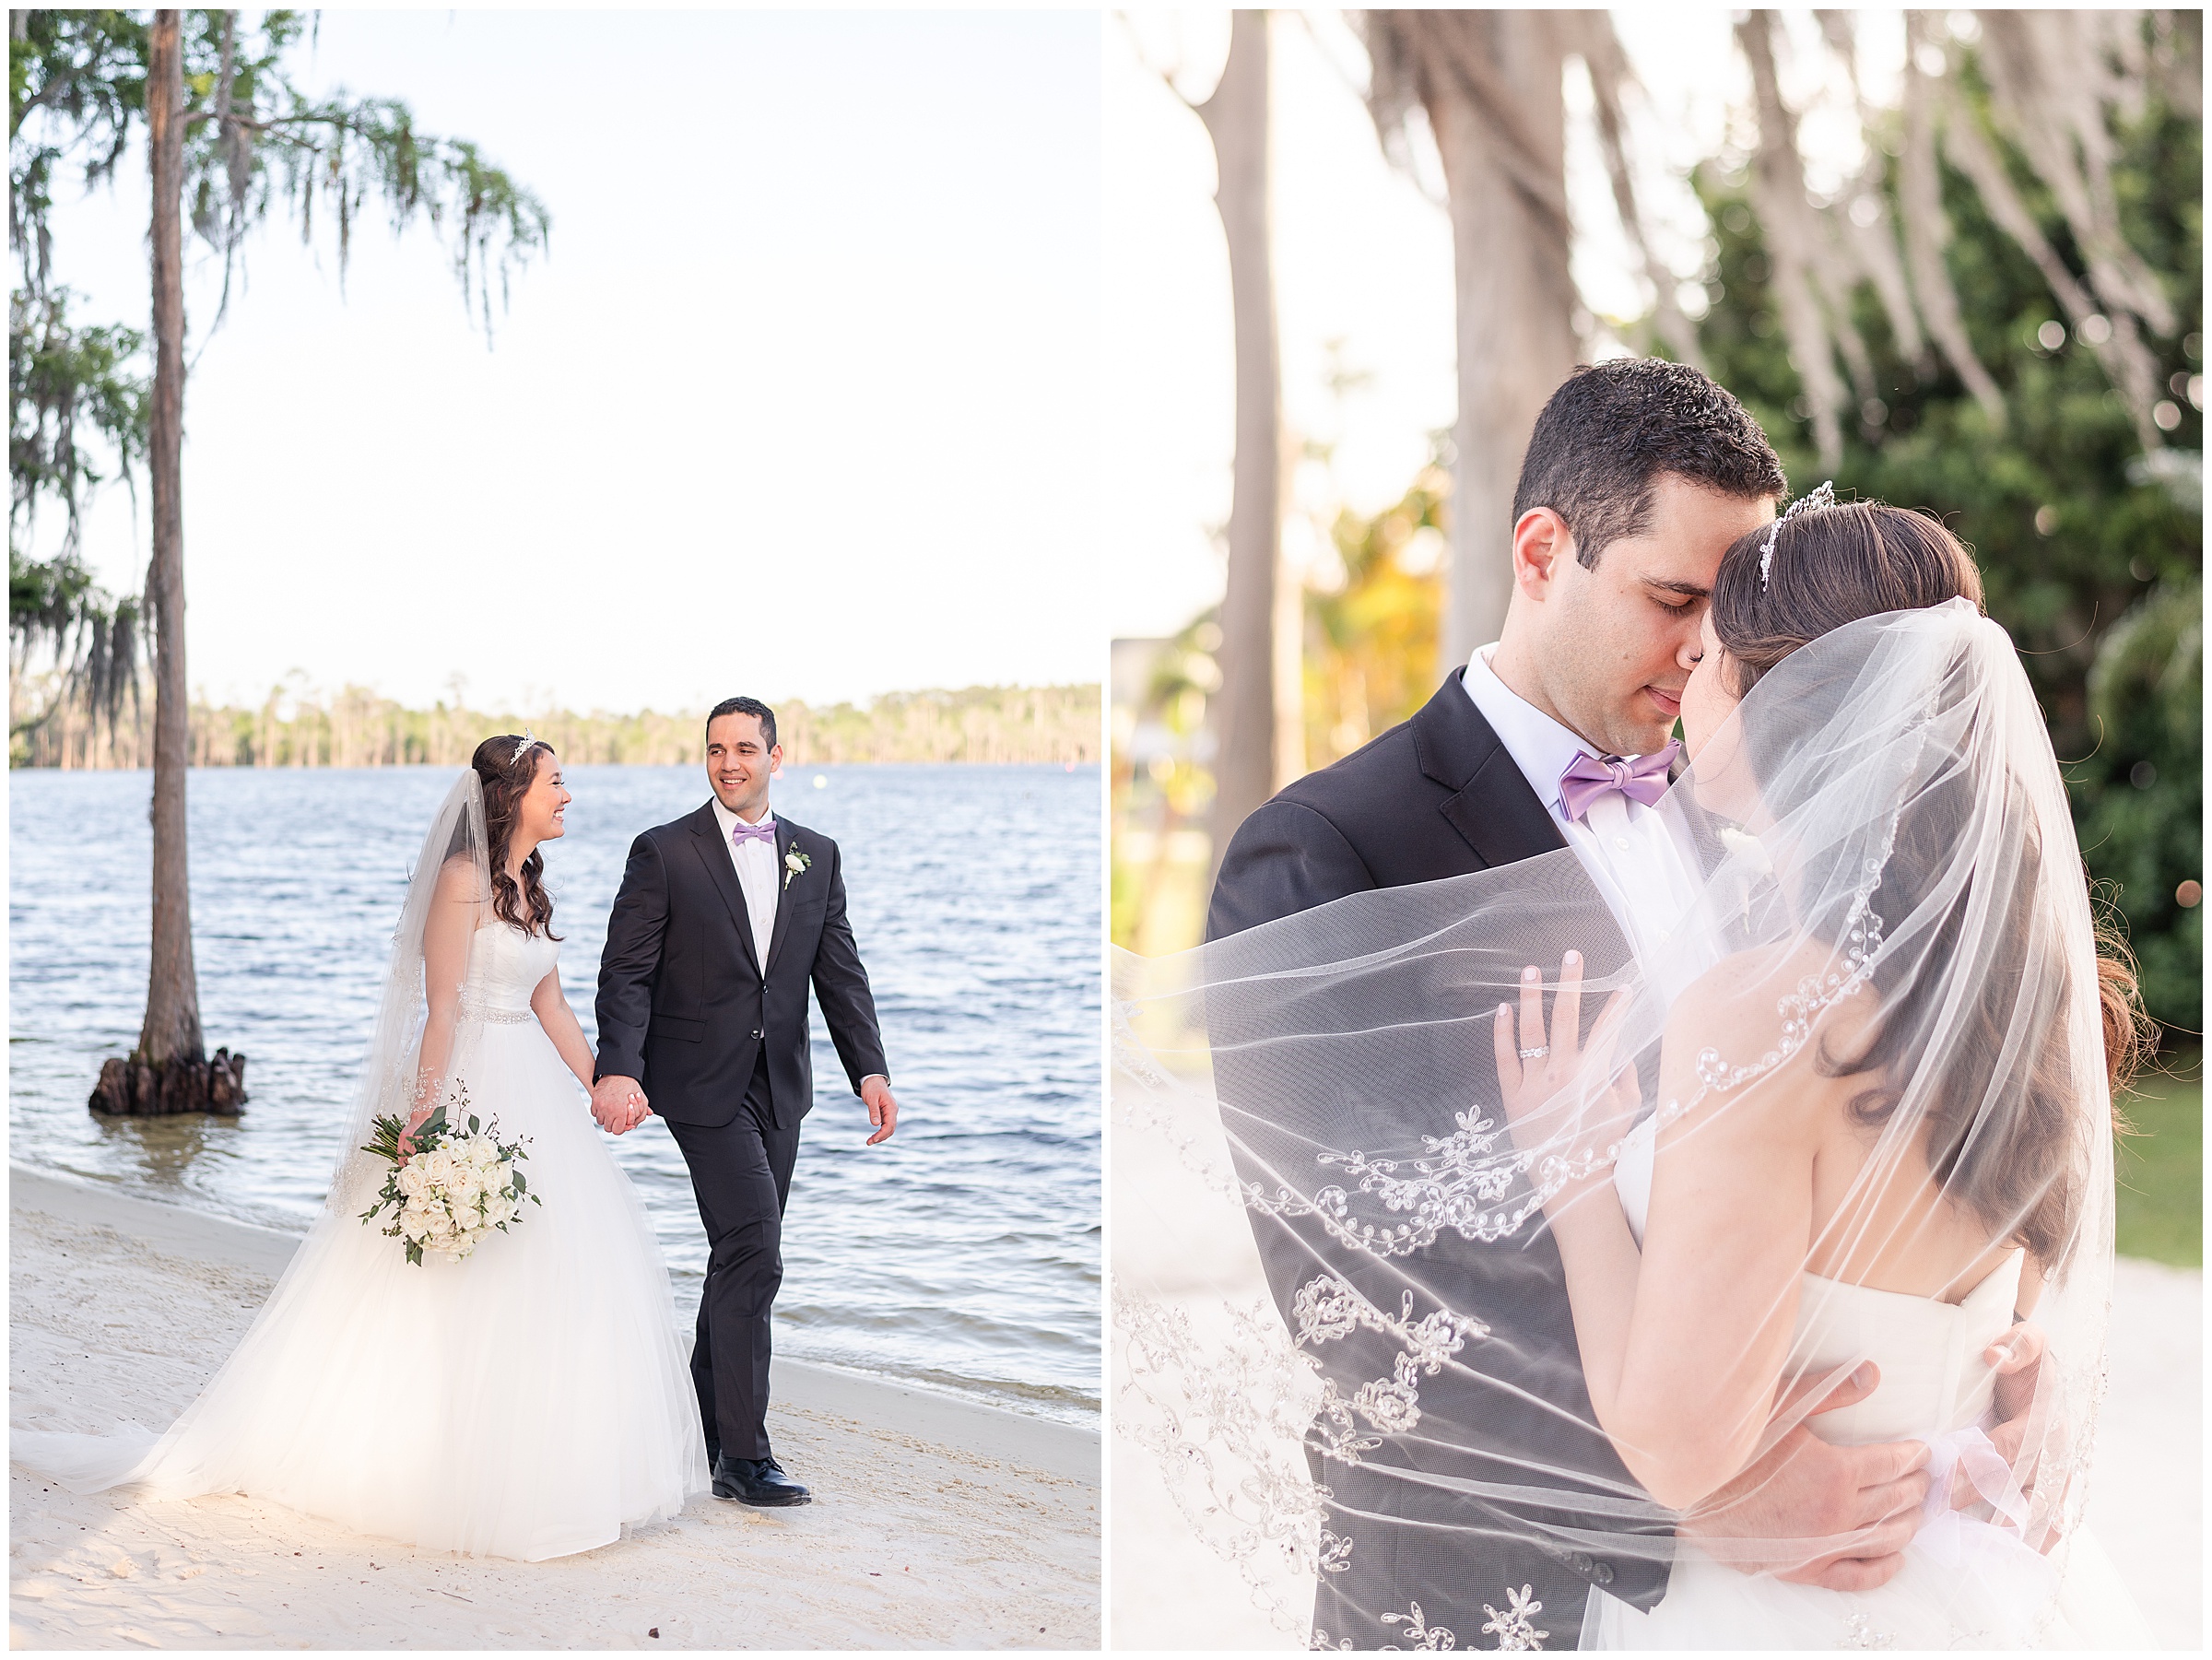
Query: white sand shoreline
{"points": [[938, 1522], [936, 1414]]}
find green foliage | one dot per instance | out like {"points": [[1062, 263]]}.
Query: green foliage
{"points": [[2160, 1166], [94, 637], [60, 378], [2091, 552], [2139, 799], [253, 142], [78, 409], [989, 723], [357, 728]]}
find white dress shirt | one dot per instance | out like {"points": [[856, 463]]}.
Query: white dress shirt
{"points": [[1623, 844], [757, 876]]}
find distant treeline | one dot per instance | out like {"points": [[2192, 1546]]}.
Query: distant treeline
{"points": [[357, 728]]}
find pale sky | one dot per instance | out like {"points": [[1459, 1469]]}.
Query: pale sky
{"points": [[1363, 260], [804, 402]]}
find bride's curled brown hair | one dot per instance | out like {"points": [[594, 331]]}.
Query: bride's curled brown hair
{"points": [[1830, 566], [507, 767]]}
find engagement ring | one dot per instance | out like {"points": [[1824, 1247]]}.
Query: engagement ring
{"points": [[1536, 1055]]}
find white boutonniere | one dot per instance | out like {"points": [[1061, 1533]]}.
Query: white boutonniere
{"points": [[1743, 845], [794, 864]]}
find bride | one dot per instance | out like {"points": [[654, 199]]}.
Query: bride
{"points": [[529, 1401], [1844, 1123]]}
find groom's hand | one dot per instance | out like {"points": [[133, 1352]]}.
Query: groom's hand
{"points": [[1815, 1514], [618, 1103], [883, 1111]]}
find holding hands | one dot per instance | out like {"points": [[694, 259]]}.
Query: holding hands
{"points": [[619, 1104]]}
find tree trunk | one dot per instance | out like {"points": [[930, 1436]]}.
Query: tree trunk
{"points": [[172, 1005], [1491, 82], [1248, 743], [137, 1088]]}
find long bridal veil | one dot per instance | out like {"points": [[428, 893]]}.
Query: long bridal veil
{"points": [[1339, 1307], [301, 1340]]}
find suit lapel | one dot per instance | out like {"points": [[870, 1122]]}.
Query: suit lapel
{"points": [[785, 836], [716, 858], [1491, 807]]}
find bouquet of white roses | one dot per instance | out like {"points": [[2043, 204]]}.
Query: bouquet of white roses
{"points": [[450, 1185]]}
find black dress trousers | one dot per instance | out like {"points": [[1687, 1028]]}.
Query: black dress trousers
{"points": [[741, 1176]]}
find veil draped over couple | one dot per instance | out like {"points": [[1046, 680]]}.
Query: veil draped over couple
{"points": [[1604, 1198], [533, 1399]]}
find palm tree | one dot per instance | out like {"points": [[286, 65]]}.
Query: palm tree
{"points": [[1489, 82]]}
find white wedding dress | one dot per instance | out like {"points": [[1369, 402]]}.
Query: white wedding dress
{"points": [[528, 1402], [1965, 1582]]}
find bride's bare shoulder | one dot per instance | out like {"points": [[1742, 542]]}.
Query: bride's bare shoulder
{"points": [[460, 883]]}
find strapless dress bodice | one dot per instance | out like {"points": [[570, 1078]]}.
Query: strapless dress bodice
{"points": [[1932, 1377], [505, 966]]}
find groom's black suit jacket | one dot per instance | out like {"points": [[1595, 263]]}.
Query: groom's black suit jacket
{"points": [[1438, 797], [685, 1005]]}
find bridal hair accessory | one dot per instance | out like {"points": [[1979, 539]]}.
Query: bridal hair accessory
{"points": [[521, 744], [1823, 497]]}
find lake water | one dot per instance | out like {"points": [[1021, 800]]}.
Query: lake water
{"points": [[962, 1254]]}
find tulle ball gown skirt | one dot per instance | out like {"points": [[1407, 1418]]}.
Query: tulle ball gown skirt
{"points": [[1963, 1585], [527, 1402]]}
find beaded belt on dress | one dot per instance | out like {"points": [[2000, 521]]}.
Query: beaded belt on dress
{"points": [[473, 1010]]}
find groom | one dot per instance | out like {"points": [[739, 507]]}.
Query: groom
{"points": [[1638, 476], [725, 918]]}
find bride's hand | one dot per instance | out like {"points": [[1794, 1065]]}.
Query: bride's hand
{"points": [[1535, 1068], [2016, 1358], [406, 1137]]}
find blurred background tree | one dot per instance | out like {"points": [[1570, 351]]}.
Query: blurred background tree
{"points": [[1371, 619]]}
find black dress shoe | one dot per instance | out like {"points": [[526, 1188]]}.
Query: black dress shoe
{"points": [[757, 1481]]}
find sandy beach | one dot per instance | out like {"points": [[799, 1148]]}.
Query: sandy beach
{"points": [[937, 1523]]}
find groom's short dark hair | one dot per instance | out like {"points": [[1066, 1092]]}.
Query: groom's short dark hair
{"points": [[1614, 427], [752, 706]]}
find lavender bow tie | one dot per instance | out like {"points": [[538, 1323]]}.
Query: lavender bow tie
{"points": [[1587, 778], [763, 832]]}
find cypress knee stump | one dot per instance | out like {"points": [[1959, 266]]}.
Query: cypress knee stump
{"points": [[138, 1089]]}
